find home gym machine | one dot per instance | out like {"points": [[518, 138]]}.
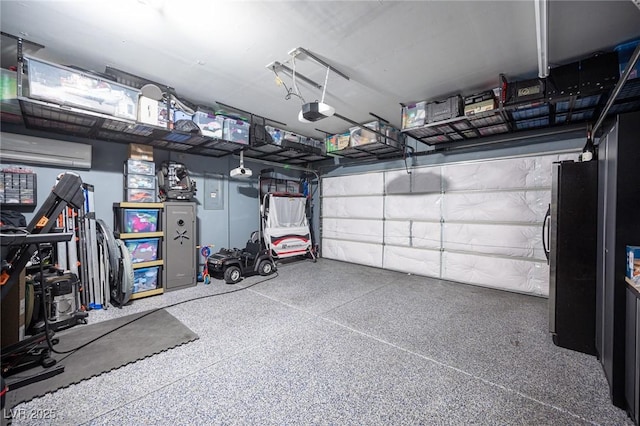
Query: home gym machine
{"points": [[22, 244]]}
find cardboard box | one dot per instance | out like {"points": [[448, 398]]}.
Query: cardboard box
{"points": [[140, 152], [153, 112], [633, 263], [13, 313]]}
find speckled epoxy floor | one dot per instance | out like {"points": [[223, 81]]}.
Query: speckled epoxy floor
{"points": [[337, 343]]}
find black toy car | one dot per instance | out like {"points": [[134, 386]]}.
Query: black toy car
{"points": [[234, 264]]}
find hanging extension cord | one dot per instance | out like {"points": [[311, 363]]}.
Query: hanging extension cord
{"points": [[70, 351], [290, 92]]}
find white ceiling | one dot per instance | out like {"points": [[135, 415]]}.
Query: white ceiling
{"points": [[394, 52]]}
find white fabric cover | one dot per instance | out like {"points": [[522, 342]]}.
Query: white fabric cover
{"points": [[397, 182], [426, 179], [353, 207], [504, 206], [348, 251], [426, 235], [286, 229], [353, 229], [287, 212], [485, 216], [517, 173], [413, 207], [507, 274], [397, 232], [365, 184], [506, 240], [412, 234], [413, 260]]}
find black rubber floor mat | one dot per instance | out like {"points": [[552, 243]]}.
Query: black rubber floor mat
{"points": [[131, 340]]}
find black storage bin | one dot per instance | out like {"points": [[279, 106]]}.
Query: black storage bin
{"points": [[599, 72], [444, 109], [525, 91], [563, 81]]}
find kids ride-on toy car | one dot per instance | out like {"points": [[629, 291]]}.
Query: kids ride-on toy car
{"points": [[234, 264]]}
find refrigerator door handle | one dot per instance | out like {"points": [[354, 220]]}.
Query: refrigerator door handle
{"points": [[546, 233]]}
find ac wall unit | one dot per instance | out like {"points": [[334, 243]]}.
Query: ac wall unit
{"points": [[49, 152]]}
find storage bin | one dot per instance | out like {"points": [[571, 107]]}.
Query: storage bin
{"points": [[599, 72], [141, 182], [563, 81], [236, 131], [276, 134], [8, 85], [145, 279], [314, 143], [210, 124], [633, 264], [66, 86], [479, 103], [291, 137], [141, 195], [143, 250], [141, 167], [524, 91], [444, 109], [414, 115], [625, 51], [337, 142], [181, 115], [139, 220], [360, 136]]}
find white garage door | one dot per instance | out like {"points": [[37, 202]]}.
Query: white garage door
{"points": [[475, 222]]}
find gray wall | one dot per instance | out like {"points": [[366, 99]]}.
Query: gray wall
{"points": [[232, 225], [229, 227]]}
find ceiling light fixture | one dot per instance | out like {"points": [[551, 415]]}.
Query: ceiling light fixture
{"points": [[542, 36]]}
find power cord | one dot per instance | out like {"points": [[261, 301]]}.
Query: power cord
{"points": [[71, 351], [289, 91]]}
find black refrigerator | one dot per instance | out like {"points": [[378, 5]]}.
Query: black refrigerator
{"points": [[570, 231]]}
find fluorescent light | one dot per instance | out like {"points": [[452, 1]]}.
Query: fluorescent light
{"points": [[542, 36]]}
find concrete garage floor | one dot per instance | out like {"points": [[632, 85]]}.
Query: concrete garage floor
{"points": [[337, 343]]}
